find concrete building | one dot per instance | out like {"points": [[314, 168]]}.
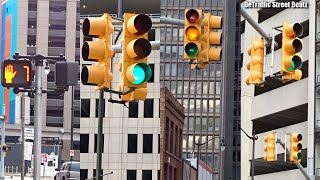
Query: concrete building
{"points": [[189, 172], [204, 172], [199, 91], [280, 107], [171, 132], [132, 132], [49, 28]]}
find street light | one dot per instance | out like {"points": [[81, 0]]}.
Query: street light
{"points": [[253, 138], [60, 137], [200, 144]]}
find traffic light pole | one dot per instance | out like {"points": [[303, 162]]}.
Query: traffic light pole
{"points": [[72, 117], [254, 24], [22, 135], [155, 45], [100, 135], [165, 20], [38, 61], [38, 118], [297, 164], [253, 138]]}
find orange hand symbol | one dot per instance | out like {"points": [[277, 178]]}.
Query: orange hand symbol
{"points": [[9, 73]]}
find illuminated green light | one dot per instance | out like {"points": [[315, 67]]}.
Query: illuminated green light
{"points": [[293, 66], [299, 156], [141, 73]]}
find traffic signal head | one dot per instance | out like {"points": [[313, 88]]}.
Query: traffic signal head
{"points": [[291, 60], [270, 147], [16, 73], [295, 148], [99, 51], [255, 64], [192, 33], [210, 38], [65, 75], [135, 72]]}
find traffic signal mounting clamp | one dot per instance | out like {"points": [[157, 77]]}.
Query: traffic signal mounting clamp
{"points": [[291, 60], [270, 147], [99, 51], [256, 63], [134, 68], [295, 148]]}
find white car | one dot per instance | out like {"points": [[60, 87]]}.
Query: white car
{"points": [[68, 171]]}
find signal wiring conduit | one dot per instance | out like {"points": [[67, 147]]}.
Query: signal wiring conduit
{"points": [[272, 53]]}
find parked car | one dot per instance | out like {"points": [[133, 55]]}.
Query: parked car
{"points": [[68, 171]]}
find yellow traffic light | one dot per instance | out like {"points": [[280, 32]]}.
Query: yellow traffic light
{"points": [[99, 51], [208, 38], [270, 147], [255, 65], [295, 148], [135, 72], [291, 60], [192, 33]]}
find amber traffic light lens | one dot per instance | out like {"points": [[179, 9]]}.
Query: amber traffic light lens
{"points": [[192, 33], [192, 16]]}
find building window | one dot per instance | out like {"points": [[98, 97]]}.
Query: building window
{"points": [[131, 174], [133, 109], [151, 80], [147, 143], [132, 143], [158, 143], [146, 174], [85, 107], [84, 143], [148, 108], [152, 35], [96, 141], [83, 173]]}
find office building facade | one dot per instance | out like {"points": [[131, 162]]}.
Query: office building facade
{"points": [[131, 133], [281, 107], [49, 28], [199, 91], [171, 133]]}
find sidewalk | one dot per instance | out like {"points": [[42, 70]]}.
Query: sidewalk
{"points": [[17, 177]]}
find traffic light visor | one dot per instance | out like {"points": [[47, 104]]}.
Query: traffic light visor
{"points": [[191, 49], [92, 75], [297, 137], [94, 27], [192, 33], [293, 30], [192, 16], [139, 24], [139, 48], [93, 51], [138, 73]]}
